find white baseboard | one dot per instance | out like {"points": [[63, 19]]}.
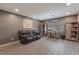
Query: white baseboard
{"points": [[8, 44]]}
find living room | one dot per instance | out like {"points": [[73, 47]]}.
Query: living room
{"points": [[33, 28]]}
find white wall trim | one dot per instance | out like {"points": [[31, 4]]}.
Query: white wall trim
{"points": [[6, 44]]}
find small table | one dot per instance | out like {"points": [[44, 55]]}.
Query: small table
{"points": [[49, 34], [53, 35]]}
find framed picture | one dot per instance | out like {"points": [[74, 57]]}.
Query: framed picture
{"points": [[27, 23]]}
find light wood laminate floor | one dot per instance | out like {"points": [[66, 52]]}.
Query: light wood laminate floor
{"points": [[44, 46]]}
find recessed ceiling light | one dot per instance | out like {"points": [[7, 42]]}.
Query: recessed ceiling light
{"points": [[68, 4], [16, 10], [34, 16], [68, 13], [55, 20], [42, 18]]}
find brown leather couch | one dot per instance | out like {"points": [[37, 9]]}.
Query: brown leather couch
{"points": [[26, 36]]}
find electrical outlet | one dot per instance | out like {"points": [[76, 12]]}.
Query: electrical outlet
{"points": [[12, 39]]}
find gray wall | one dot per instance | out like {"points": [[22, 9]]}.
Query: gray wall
{"points": [[36, 25], [9, 26]]}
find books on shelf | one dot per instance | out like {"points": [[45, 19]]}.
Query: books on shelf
{"points": [[72, 33]]}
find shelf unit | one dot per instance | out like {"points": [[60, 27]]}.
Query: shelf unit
{"points": [[42, 28], [72, 31]]}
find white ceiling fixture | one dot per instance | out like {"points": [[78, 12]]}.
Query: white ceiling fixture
{"points": [[68, 3], [42, 19], [55, 20], [16, 10], [68, 13], [33, 16]]}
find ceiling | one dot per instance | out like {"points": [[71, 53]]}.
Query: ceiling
{"points": [[41, 11]]}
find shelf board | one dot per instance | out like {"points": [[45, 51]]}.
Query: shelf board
{"points": [[74, 30]]}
